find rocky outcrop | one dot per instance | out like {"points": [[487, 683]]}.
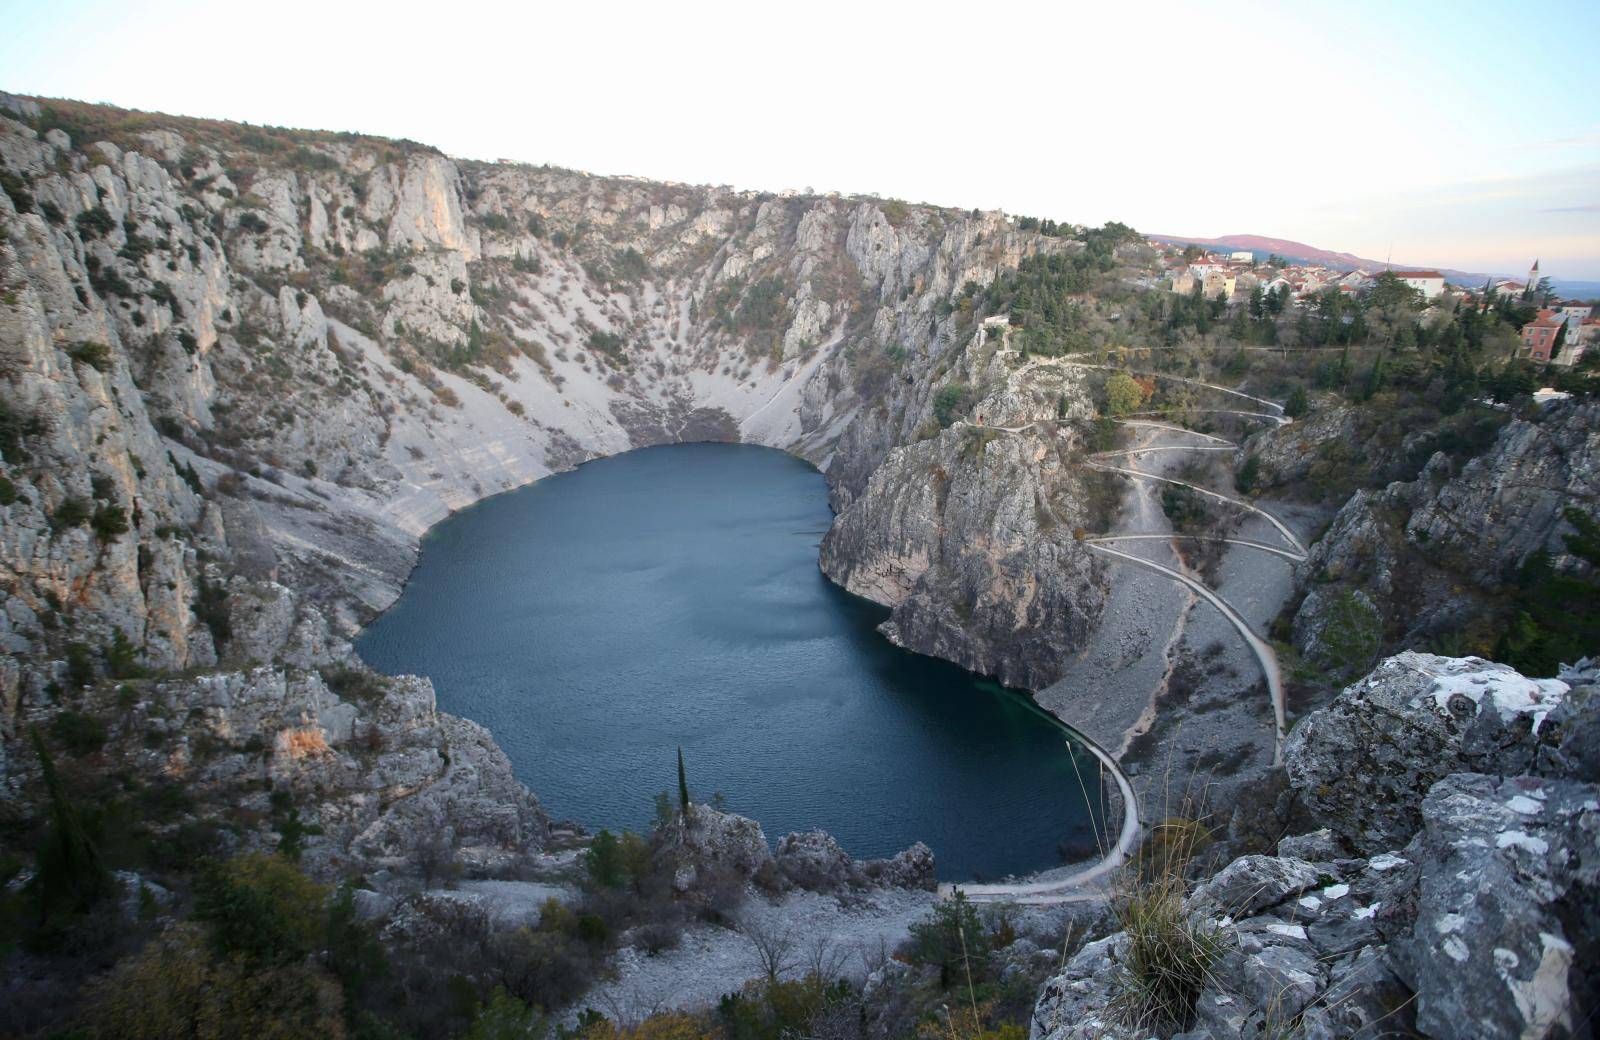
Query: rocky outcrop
{"points": [[1451, 892], [1414, 720], [970, 538], [1422, 560], [1510, 502], [710, 842]]}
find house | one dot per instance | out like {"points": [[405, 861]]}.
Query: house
{"points": [[1539, 337], [1242, 256], [1429, 283], [1220, 283], [1575, 315]]}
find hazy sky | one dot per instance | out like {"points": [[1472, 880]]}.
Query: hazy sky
{"points": [[1456, 134]]}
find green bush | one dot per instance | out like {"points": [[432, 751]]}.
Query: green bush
{"points": [[1297, 404], [953, 939], [1185, 507], [96, 355], [79, 733], [72, 512], [951, 402], [109, 522], [93, 223], [261, 908]]}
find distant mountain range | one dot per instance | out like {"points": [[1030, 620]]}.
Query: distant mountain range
{"points": [[1263, 245]]}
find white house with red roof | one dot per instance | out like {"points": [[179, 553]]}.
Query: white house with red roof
{"points": [[1429, 283]]}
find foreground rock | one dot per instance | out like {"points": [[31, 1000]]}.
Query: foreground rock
{"points": [[1452, 891]]}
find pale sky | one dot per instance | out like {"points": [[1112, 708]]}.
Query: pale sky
{"points": [[1462, 135]]}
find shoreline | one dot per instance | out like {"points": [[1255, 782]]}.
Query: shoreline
{"points": [[1096, 807]]}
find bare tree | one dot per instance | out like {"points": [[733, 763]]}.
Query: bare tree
{"points": [[824, 957], [772, 945]]}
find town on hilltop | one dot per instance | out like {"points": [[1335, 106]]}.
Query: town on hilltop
{"points": [[1560, 332]]}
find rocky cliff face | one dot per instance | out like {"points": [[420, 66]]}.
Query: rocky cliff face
{"points": [[970, 536], [1420, 561], [245, 368], [1457, 901]]}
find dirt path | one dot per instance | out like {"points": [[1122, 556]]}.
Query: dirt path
{"points": [[1287, 554], [1288, 535], [1267, 657]]}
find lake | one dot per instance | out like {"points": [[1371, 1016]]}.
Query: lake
{"points": [[597, 620]]}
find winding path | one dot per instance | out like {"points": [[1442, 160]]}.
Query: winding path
{"points": [[1075, 887], [1267, 657], [1288, 535], [1287, 554], [1281, 420], [1162, 447], [1274, 405], [1146, 424], [1069, 889]]}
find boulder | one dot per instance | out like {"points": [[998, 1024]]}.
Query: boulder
{"points": [[1506, 933], [1412, 721], [815, 861], [909, 868]]}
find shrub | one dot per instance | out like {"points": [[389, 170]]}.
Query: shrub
{"points": [[175, 989], [608, 343], [261, 908], [72, 512], [250, 222], [93, 223], [77, 732], [1249, 475], [17, 188], [1185, 507], [8, 491], [109, 522], [951, 402], [96, 355]]}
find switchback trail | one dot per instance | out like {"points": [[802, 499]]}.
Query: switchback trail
{"points": [[1288, 535], [1267, 657], [1287, 554]]}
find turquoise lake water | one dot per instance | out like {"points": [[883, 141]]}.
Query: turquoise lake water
{"points": [[598, 619]]}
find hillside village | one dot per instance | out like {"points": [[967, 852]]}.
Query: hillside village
{"points": [[1561, 332]]}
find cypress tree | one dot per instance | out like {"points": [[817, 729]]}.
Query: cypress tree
{"points": [[70, 874], [683, 786]]}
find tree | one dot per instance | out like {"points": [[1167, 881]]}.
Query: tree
{"points": [[604, 861], [260, 907], [70, 876], [1297, 404], [683, 786], [953, 938], [772, 946], [1124, 395]]}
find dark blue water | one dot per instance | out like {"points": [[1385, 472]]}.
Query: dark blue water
{"points": [[598, 619]]}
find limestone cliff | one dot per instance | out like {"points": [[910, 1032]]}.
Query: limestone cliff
{"points": [[245, 368]]}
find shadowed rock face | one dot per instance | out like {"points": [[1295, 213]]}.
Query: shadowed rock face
{"points": [[1424, 556]]}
